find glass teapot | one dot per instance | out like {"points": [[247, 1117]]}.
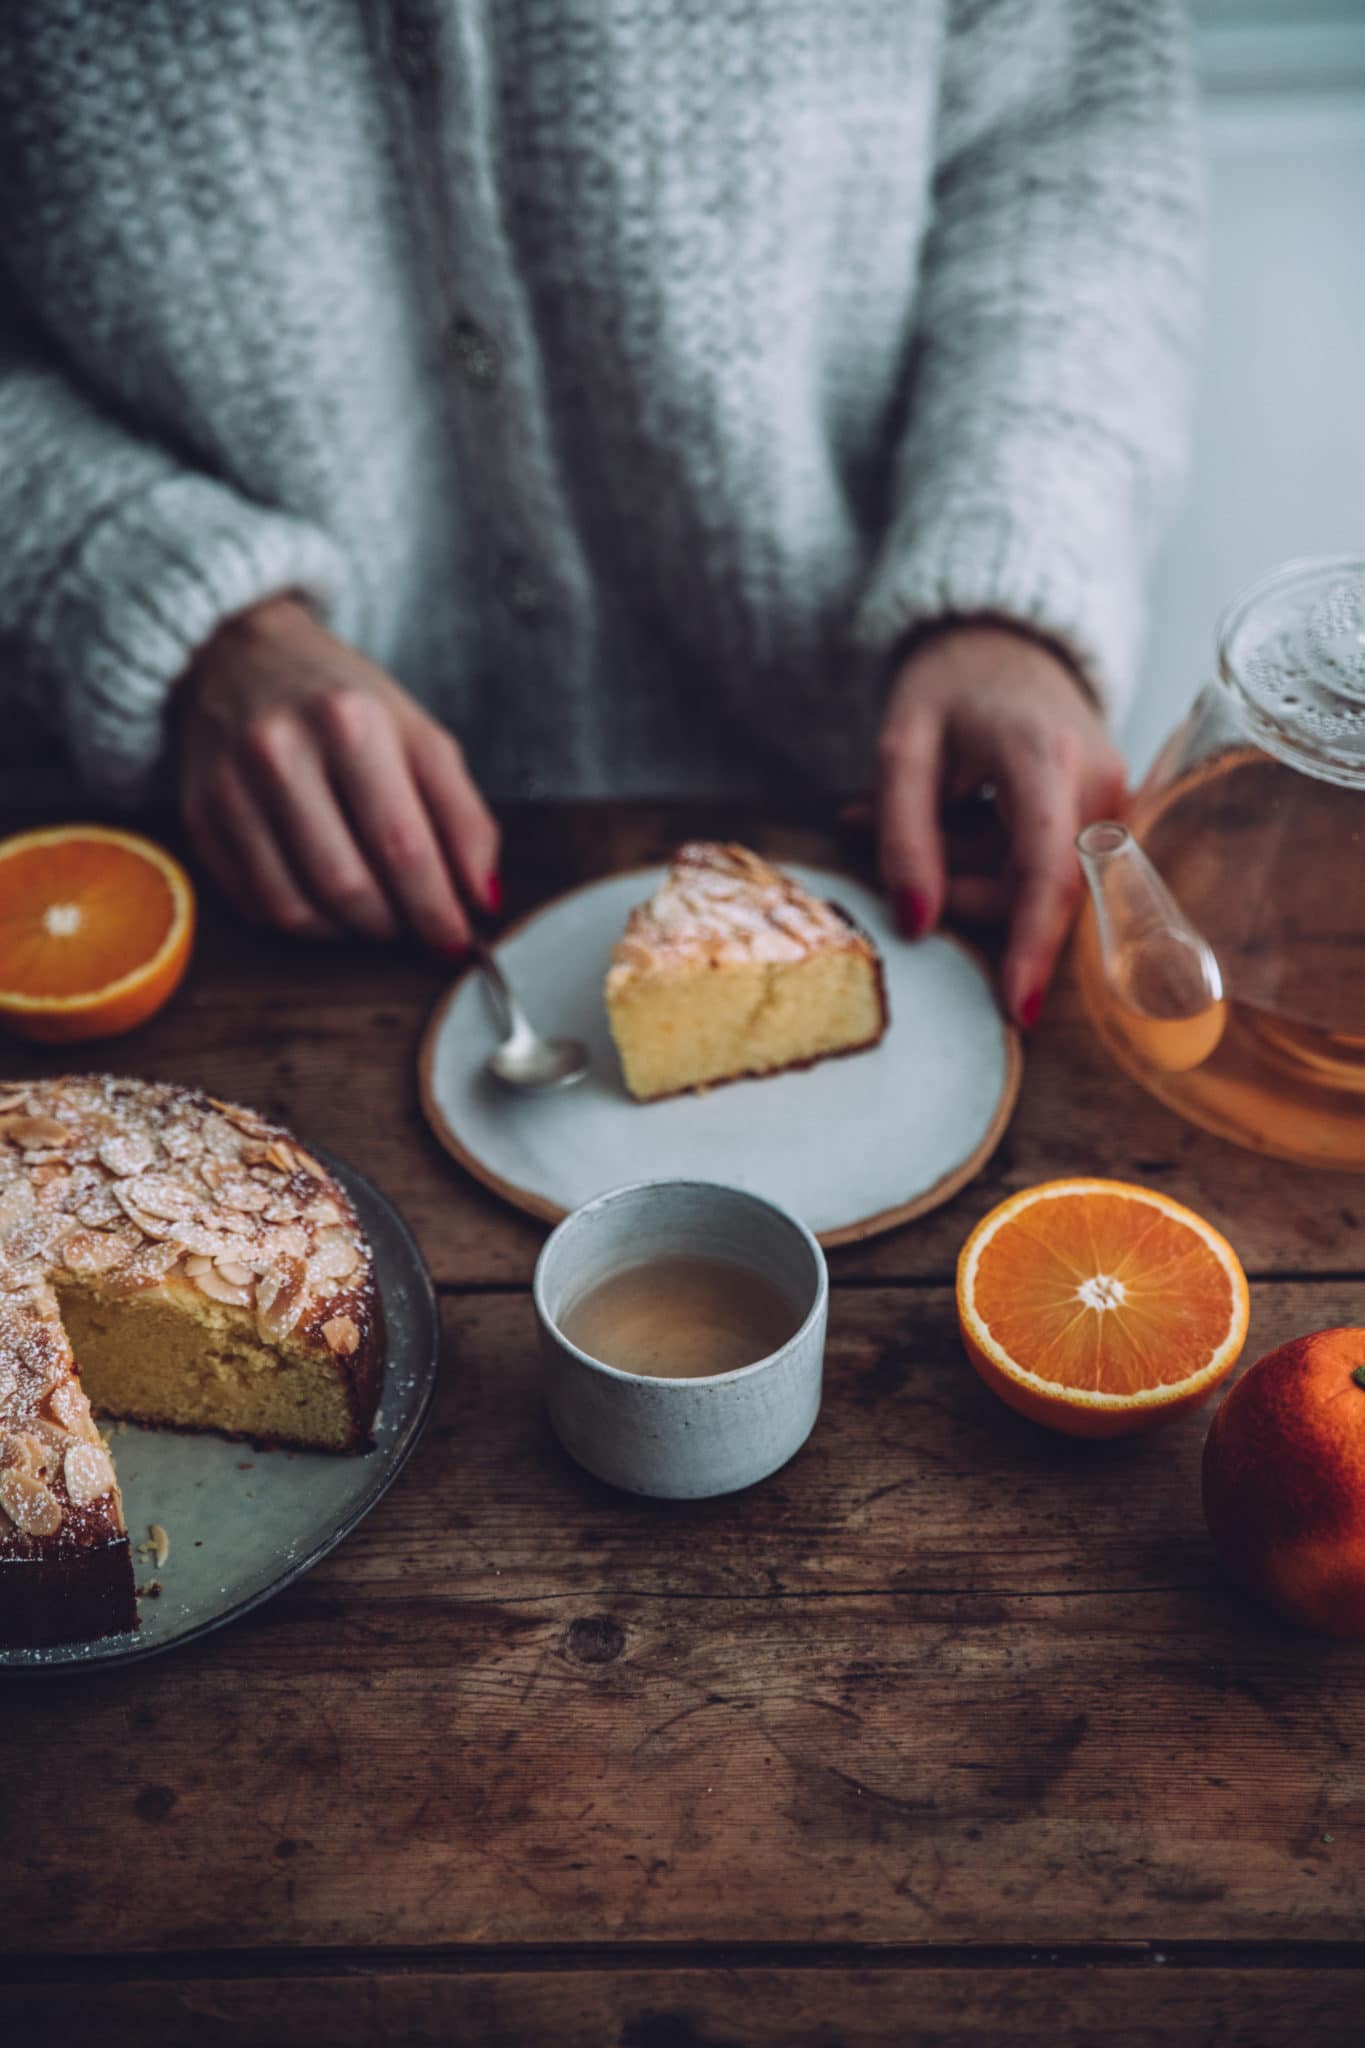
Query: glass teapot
{"points": [[1222, 954]]}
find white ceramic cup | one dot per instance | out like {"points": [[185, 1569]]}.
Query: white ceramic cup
{"points": [[681, 1439]]}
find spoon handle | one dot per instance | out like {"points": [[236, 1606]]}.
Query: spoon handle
{"points": [[509, 1009]]}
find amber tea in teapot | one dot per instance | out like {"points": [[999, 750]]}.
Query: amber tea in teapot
{"points": [[1223, 954]]}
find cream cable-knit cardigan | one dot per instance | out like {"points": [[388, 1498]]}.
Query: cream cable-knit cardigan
{"points": [[627, 376]]}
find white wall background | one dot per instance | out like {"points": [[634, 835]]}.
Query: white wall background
{"points": [[1278, 459]]}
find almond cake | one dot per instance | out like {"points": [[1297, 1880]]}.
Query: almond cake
{"points": [[170, 1259], [733, 969]]}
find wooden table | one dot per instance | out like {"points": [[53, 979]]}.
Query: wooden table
{"points": [[951, 1732]]}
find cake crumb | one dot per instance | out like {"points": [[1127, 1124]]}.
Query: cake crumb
{"points": [[151, 1591], [156, 1543]]}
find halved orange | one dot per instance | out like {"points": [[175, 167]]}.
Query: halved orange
{"points": [[1098, 1307], [96, 927]]}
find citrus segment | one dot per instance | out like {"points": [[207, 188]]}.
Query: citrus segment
{"points": [[96, 927], [1099, 1307]]}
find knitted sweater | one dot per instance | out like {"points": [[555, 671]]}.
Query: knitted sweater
{"points": [[626, 376]]}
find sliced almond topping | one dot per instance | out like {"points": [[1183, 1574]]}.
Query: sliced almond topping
{"points": [[99, 1207], [288, 1241], [93, 1251], [69, 1405], [236, 1274], [50, 1175], [160, 1195], [280, 1297], [128, 1152], [147, 1224], [245, 1119], [197, 1263], [88, 1473], [32, 1507], [145, 1267], [212, 1283], [12, 1098], [325, 1210], [16, 1204], [23, 1452], [37, 1132], [197, 1238], [220, 1137], [278, 1154], [247, 1195], [336, 1257], [341, 1335]]}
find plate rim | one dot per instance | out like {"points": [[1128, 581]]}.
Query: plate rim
{"points": [[136, 1652], [530, 1203]]}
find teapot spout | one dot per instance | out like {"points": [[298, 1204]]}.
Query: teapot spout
{"points": [[1162, 974]]}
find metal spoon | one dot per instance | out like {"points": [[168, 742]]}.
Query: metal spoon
{"points": [[525, 1059]]}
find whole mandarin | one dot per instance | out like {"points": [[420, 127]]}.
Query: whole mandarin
{"points": [[1284, 1481]]}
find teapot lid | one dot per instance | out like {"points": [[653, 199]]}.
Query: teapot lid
{"points": [[1292, 651]]}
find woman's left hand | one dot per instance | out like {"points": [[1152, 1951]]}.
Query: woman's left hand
{"points": [[978, 706]]}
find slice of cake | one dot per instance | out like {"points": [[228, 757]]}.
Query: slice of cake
{"points": [[734, 969], [171, 1259]]}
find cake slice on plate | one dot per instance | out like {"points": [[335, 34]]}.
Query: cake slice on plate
{"points": [[733, 969]]}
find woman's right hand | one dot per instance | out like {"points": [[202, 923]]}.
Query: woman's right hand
{"points": [[320, 796]]}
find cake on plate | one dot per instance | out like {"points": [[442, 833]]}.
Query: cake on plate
{"points": [[733, 969], [169, 1259]]}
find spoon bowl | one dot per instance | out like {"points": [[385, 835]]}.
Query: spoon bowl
{"points": [[539, 1063]]}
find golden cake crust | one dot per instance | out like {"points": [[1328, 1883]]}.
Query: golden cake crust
{"points": [[143, 1187], [722, 903]]}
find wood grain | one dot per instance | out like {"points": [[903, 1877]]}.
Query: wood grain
{"points": [[948, 1733], [967, 2006], [327, 1039], [946, 1679]]}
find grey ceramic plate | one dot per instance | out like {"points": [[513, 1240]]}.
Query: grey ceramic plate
{"points": [[243, 1523], [852, 1146]]}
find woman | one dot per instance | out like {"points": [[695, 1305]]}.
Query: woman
{"points": [[411, 406]]}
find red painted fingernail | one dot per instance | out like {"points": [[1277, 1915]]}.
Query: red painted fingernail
{"points": [[492, 890], [912, 913], [1031, 1009]]}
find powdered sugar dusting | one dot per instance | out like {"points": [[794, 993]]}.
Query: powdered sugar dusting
{"points": [[130, 1185], [723, 903]]}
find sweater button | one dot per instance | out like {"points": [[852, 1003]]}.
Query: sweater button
{"points": [[476, 353], [523, 596], [412, 43]]}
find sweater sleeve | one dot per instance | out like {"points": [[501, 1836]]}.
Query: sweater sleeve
{"points": [[1058, 304], [116, 563]]}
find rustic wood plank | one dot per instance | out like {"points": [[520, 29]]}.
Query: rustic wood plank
{"points": [[967, 2007], [916, 1481], [326, 1039], [946, 1679]]}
